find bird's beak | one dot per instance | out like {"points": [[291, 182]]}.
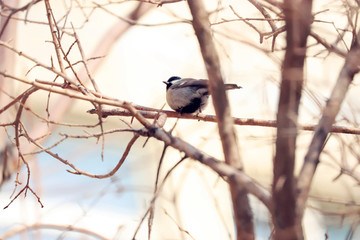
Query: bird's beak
{"points": [[165, 82]]}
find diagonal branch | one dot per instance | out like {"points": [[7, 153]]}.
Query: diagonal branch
{"points": [[348, 71], [241, 206]]}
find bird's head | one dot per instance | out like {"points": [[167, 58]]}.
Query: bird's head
{"points": [[170, 81]]}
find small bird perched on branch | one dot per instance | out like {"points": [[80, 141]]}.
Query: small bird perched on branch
{"points": [[189, 95]]}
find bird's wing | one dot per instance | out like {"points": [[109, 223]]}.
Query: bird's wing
{"points": [[191, 82]]}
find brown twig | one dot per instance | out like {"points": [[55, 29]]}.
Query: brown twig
{"points": [[79, 171], [181, 229], [155, 196], [24, 189], [13, 11], [329, 47], [48, 148], [272, 24], [17, 126], [51, 69], [116, 168], [152, 209], [84, 61], [14, 101], [53, 32]]}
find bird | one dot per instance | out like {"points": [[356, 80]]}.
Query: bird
{"points": [[189, 95]]}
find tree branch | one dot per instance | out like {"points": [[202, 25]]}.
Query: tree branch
{"points": [[348, 71], [298, 19], [235, 176], [151, 114], [241, 206]]}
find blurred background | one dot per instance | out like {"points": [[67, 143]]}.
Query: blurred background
{"points": [[131, 65]]}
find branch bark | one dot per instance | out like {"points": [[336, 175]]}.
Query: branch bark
{"points": [[241, 206], [298, 19]]}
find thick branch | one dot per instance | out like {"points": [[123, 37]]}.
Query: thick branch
{"points": [[298, 19], [241, 206]]}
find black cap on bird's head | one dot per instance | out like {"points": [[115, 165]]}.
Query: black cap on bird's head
{"points": [[173, 78], [169, 81]]}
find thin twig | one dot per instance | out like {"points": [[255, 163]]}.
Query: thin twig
{"points": [[152, 209], [116, 168], [55, 41], [155, 196]]}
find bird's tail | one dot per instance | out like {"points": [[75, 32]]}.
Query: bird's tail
{"points": [[230, 86]]}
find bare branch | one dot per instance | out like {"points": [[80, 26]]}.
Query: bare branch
{"points": [[241, 206], [212, 118], [267, 16], [348, 71], [155, 196], [329, 47], [116, 168], [298, 19]]}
